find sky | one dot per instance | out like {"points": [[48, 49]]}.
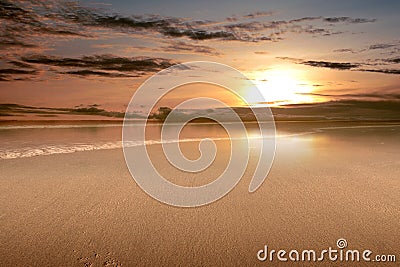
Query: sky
{"points": [[67, 54]]}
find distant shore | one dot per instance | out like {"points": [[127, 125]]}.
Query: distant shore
{"points": [[21, 122]]}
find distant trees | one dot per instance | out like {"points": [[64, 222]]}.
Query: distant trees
{"points": [[161, 114]]}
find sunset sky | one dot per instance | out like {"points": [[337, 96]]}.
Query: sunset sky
{"points": [[65, 54]]}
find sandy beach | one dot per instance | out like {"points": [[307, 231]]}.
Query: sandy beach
{"points": [[84, 209], [199, 133]]}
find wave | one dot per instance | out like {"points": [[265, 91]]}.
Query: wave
{"points": [[43, 150]]}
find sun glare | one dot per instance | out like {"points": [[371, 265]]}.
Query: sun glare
{"points": [[283, 86]]}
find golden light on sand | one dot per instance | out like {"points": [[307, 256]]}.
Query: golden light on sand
{"points": [[284, 86]]}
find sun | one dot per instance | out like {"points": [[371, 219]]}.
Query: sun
{"points": [[284, 86]]}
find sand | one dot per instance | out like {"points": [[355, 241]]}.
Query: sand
{"points": [[84, 209]]}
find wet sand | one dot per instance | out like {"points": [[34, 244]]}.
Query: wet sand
{"points": [[84, 209]]}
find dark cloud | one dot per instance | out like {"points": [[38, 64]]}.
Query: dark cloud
{"points": [[68, 18], [85, 73], [104, 62], [8, 40], [181, 46], [20, 64], [393, 60], [385, 71], [117, 21], [10, 11], [22, 23], [390, 47], [198, 34], [16, 71], [28, 25], [253, 15], [344, 50], [102, 65], [72, 19], [10, 74], [342, 65], [348, 20], [258, 14], [330, 65], [7, 43], [27, 18], [381, 46], [298, 26], [321, 31], [173, 27], [304, 19]]}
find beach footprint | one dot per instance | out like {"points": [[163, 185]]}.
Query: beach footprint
{"points": [[96, 259]]}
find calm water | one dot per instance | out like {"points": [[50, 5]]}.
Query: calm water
{"points": [[37, 140]]}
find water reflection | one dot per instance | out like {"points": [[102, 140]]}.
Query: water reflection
{"points": [[296, 138]]}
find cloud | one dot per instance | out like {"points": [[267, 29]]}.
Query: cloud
{"points": [[296, 60], [16, 71], [258, 14], [348, 20], [344, 50], [28, 19], [85, 73], [21, 64], [12, 12], [31, 26], [22, 22], [279, 28], [101, 65], [261, 52], [385, 71], [381, 46], [253, 15], [168, 26], [73, 19], [391, 47], [180, 47], [323, 64], [68, 18], [198, 34], [341, 65], [7, 41], [16, 74], [170, 46], [393, 60], [303, 19], [330, 65], [104, 62]]}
